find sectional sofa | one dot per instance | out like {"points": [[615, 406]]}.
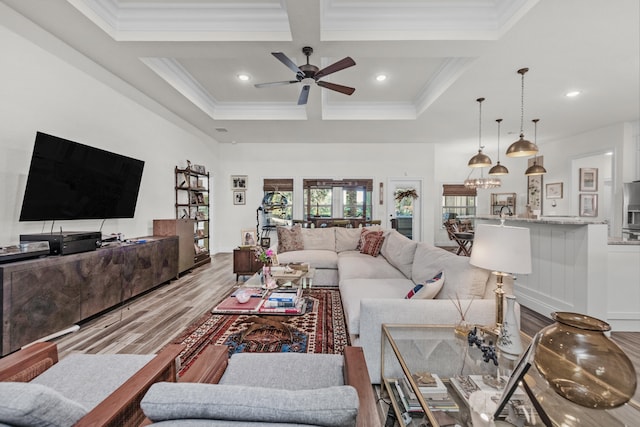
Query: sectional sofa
{"points": [[374, 286]]}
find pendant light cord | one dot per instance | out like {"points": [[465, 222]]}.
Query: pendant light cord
{"points": [[480, 123]]}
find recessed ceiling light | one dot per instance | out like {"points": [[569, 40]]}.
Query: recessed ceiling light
{"points": [[244, 77], [381, 77], [572, 93]]}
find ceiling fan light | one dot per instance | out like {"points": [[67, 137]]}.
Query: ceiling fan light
{"points": [[480, 160], [498, 169], [522, 148], [535, 169]]}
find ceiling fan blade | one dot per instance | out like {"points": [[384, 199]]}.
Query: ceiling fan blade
{"points": [[336, 66], [286, 82], [289, 63], [338, 88], [304, 95]]}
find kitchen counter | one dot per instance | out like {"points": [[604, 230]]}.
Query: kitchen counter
{"points": [[560, 220]]}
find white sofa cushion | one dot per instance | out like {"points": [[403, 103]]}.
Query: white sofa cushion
{"points": [[319, 238], [463, 280], [354, 265], [353, 290], [347, 239], [399, 251], [315, 258]]}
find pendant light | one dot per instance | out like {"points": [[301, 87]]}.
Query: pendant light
{"points": [[522, 147], [480, 160], [498, 169], [535, 168]]}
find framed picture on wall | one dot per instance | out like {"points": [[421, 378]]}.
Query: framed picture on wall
{"points": [[534, 192], [239, 198], [554, 190], [239, 182], [588, 179], [588, 205]]}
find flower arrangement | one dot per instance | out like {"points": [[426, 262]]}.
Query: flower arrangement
{"points": [[265, 256]]}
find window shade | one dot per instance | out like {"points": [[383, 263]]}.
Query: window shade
{"points": [[458, 190], [329, 183], [278, 184]]}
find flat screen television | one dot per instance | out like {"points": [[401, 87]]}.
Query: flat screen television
{"points": [[68, 180]]}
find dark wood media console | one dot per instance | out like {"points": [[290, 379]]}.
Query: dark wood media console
{"points": [[45, 295]]}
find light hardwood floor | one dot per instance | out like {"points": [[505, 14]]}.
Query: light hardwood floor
{"points": [[151, 321]]}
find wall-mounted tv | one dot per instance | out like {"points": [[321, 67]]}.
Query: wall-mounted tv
{"points": [[68, 180]]}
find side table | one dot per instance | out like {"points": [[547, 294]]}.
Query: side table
{"points": [[245, 262]]}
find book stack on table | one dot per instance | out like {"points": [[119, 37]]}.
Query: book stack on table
{"points": [[287, 301], [432, 389]]}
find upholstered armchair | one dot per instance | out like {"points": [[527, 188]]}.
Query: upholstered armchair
{"points": [[81, 389], [292, 389]]}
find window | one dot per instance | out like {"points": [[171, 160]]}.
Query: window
{"points": [[326, 198], [458, 200], [277, 203]]}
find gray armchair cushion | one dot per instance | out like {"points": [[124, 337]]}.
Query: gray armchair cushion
{"points": [[89, 378], [26, 404], [289, 371], [331, 406]]}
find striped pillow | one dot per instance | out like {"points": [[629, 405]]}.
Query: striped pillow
{"points": [[372, 244], [427, 290]]}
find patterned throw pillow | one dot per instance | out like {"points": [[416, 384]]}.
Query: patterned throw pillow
{"points": [[364, 233], [427, 290], [290, 239], [372, 244]]}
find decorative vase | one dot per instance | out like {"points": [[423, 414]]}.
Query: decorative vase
{"points": [[509, 342], [582, 364], [269, 281]]}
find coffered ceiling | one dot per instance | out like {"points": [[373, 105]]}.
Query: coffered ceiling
{"points": [[438, 56]]}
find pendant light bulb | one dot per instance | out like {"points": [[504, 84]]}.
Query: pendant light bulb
{"points": [[498, 169], [535, 168], [522, 147], [480, 160]]}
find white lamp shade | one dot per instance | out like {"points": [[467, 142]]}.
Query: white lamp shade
{"points": [[502, 248]]}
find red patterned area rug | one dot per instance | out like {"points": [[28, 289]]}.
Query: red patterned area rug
{"points": [[321, 329]]}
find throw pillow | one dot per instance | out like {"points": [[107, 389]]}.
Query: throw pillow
{"points": [[290, 239], [372, 244], [26, 404], [427, 290], [364, 233]]}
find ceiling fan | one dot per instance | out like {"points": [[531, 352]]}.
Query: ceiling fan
{"points": [[308, 71]]}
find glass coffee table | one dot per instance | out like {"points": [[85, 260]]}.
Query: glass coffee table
{"points": [[428, 373]]}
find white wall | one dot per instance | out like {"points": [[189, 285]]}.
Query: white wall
{"points": [[41, 92], [329, 160]]}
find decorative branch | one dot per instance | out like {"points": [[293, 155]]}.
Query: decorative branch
{"points": [[458, 305], [401, 194]]}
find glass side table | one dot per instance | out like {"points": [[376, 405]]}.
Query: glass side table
{"points": [[412, 352]]}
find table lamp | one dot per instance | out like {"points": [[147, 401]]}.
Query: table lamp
{"points": [[504, 250]]}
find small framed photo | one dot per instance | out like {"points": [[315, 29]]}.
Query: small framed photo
{"points": [[588, 205], [239, 182], [239, 198], [199, 169], [554, 190], [265, 242], [514, 380], [588, 179], [248, 237]]}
